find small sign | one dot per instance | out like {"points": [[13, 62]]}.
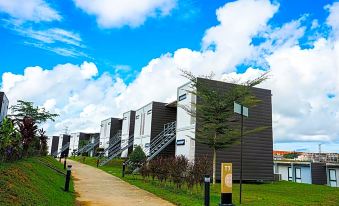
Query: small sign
{"points": [[237, 109], [180, 142], [226, 178]]}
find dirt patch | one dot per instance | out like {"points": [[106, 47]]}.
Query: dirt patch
{"points": [[82, 203]]}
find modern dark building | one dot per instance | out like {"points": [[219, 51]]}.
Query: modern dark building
{"points": [[257, 147], [3, 106], [53, 143], [78, 140], [150, 122], [109, 128]]}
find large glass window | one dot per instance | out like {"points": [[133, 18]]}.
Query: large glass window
{"points": [[298, 174], [290, 177], [332, 177]]}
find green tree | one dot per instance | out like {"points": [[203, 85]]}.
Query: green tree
{"points": [[215, 113], [43, 142], [27, 109], [10, 141], [30, 142], [138, 156]]}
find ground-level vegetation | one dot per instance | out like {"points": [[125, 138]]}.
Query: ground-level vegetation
{"points": [[277, 193], [34, 181]]}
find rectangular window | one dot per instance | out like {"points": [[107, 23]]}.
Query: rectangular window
{"points": [[125, 118], [182, 97], [180, 142], [290, 177], [149, 111], [298, 175], [332, 177], [137, 117]]}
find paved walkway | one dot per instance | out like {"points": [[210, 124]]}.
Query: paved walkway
{"points": [[96, 187]]}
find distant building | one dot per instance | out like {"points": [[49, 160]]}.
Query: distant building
{"points": [[110, 128], [308, 172], [3, 106]]}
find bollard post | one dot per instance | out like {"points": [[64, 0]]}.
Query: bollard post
{"points": [[68, 177], [123, 169], [207, 181], [98, 162], [65, 162]]}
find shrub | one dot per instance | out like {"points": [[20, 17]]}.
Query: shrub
{"points": [[136, 158], [10, 141], [178, 170], [144, 171]]}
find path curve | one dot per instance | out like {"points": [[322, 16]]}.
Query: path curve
{"points": [[96, 187]]}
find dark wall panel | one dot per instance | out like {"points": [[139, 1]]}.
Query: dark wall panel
{"points": [[319, 173], [55, 143], [162, 115], [257, 148], [65, 140], [131, 128]]}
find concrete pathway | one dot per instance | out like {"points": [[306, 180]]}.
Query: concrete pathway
{"points": [[96, 187]]}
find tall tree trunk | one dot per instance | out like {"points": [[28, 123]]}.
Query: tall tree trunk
{"points": [[214, 163]]}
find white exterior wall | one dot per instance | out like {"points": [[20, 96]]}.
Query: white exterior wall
{"points": [[143, 127], [105, 132], [185, 124], [283, 170], [49, 145], [125, 133], [60, 143], [306, 176], [74, 142]]}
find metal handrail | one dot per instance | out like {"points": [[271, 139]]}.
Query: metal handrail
{"points": [[63, 148], [118, 150]]}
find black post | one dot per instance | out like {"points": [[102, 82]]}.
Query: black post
{"points": [[123, 169], [65, 162], [98, 162], [241, 143], [207, 181], [68, 177]]}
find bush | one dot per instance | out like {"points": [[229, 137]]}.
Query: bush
{"points": [[178, 170], [136, 159], [10, 142]]}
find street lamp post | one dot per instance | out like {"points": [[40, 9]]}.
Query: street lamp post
{"points": [[243, 111]]}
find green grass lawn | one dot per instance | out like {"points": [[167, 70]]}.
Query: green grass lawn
{"points": [[277, 193], [29, 182]]}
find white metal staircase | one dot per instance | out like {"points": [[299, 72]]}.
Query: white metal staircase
{"points": [[116, 139], [63, 148], [116, 150], [162, 140], [89, 146]]}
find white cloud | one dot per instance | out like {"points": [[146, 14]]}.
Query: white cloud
{"points": [[29, 10], [110, 14], [301, 78]]}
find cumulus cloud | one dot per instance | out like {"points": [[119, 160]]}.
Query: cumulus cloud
{"points": [[110, 14], [29, 10], [304, 81]]}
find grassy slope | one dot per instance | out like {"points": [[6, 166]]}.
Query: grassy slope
{"points": [[29, 182], [278, 193]]}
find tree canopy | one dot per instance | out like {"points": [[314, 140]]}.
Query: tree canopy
{"points": [[27, 109]]}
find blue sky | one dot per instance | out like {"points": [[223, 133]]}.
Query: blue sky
{"points": [[134, 47], [118, 50]]}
